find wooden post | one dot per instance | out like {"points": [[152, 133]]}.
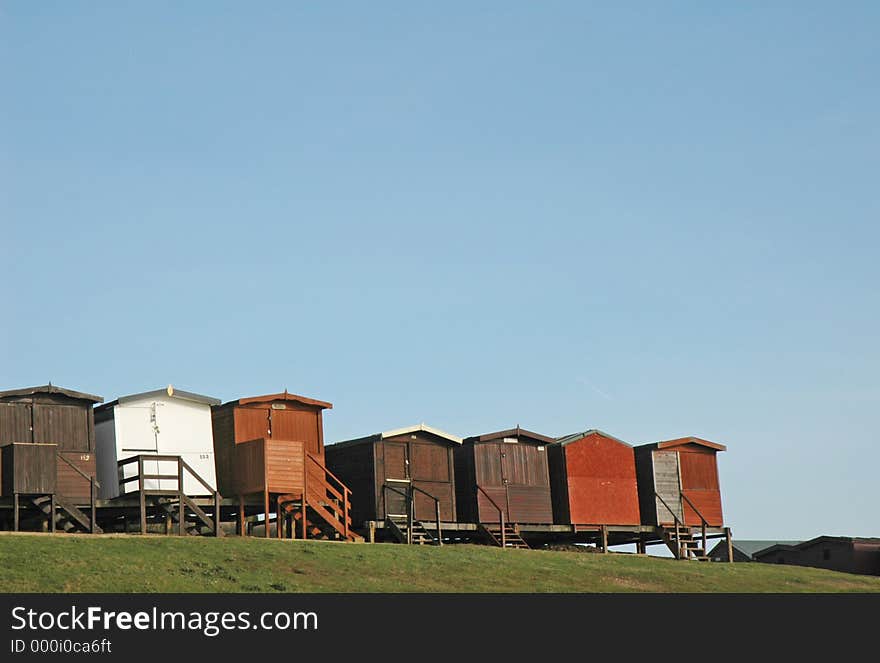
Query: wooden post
{"points": [[168, 524], [266, 511], [641, 548], [142, 498], [216, 513], [242, 526], [705, 550], [52, 513], [729, 539], [604, 531], [437, 515], [277, 519], [92, 495], [371, 535], [677, 541], [181, 505], [15, 517], [345, 510], [305, 506], [409, 515], [503, 529]]}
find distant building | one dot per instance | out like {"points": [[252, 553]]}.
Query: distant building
{"points": [[743, 551], [836, 553]]}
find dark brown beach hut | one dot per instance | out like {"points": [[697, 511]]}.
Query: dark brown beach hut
{"points": [[505, 471], [386, 469]]}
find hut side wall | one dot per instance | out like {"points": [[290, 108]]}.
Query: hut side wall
{"points": [[559, 484], [355, 466], [465, 484], [645, 479]]}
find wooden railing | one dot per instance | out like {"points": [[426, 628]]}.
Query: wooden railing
{"points": [[678, 525], [410, 497], [500, 515], [331, 498], [184, 501], [703, 522], [93, 486]]}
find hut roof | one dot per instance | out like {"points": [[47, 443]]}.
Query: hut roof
{"points": [[574, 437], [399, 431], [167, 392], [284, 396], [681, 441], [51, 389], [511, 432]]}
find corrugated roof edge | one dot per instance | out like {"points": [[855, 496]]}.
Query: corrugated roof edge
{"points": [[680, 441], [574, 437], [52, 389], [512, 432], [283, 396], [177, 393], [393, 433]]}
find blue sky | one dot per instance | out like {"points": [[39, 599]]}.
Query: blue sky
{"points": [[653, 220]]}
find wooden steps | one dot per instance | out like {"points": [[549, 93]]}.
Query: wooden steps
{"points": [[683, 544], [420, 535], [511, 537], [67, 515]]}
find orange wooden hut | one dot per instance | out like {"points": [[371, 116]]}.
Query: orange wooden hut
{"points": [[678, 479], [272, 448], [593, 480]]}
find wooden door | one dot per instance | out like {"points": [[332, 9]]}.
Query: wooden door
{"points": [[526, 483], [490, 477], [667, 485], [16, 420], [396, 477]]}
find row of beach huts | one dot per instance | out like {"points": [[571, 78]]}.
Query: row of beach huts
{"points": [[177, 462]]}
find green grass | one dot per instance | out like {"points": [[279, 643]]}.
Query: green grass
{"points": [[65, 563]]}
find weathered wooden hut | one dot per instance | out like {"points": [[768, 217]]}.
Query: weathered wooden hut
{"points": [[387, 469], [48, 439], [593, 480], [678, 479], [272, 447], [505, 472], [837, 553], [164, 422]]}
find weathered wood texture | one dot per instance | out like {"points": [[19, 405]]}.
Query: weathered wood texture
{"points": [[513, 470], [28, 468], [274, 429], [419, 458], [593, 480]]}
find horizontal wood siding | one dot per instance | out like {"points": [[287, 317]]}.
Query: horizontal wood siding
{"points": [[284, 467], [28, 468], [70, 484], [485, 509], [699, 483]]}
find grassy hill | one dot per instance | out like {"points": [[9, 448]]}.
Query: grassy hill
{"points": [[69, 563]]}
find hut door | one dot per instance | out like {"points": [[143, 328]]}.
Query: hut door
{"points": [[396, 477], [667, 484]]}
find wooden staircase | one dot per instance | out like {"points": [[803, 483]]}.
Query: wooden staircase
{"points": [[196, 522], [683, 544], [323, 509], [509, 539], [68, 517], [420, 535]]}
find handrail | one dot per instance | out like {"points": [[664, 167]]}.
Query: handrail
{"points": [[410, 509], [675, 518], [678, 523], [703, 522], [500, 515], [328, 472], [197, 477], [79, 471], [436, 510]]}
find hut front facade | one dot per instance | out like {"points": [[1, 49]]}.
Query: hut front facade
{"points": [[384, 469], [273, 446], [678, 479], [48, 435], [593, 480], [505, 471], [165, 422]]}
